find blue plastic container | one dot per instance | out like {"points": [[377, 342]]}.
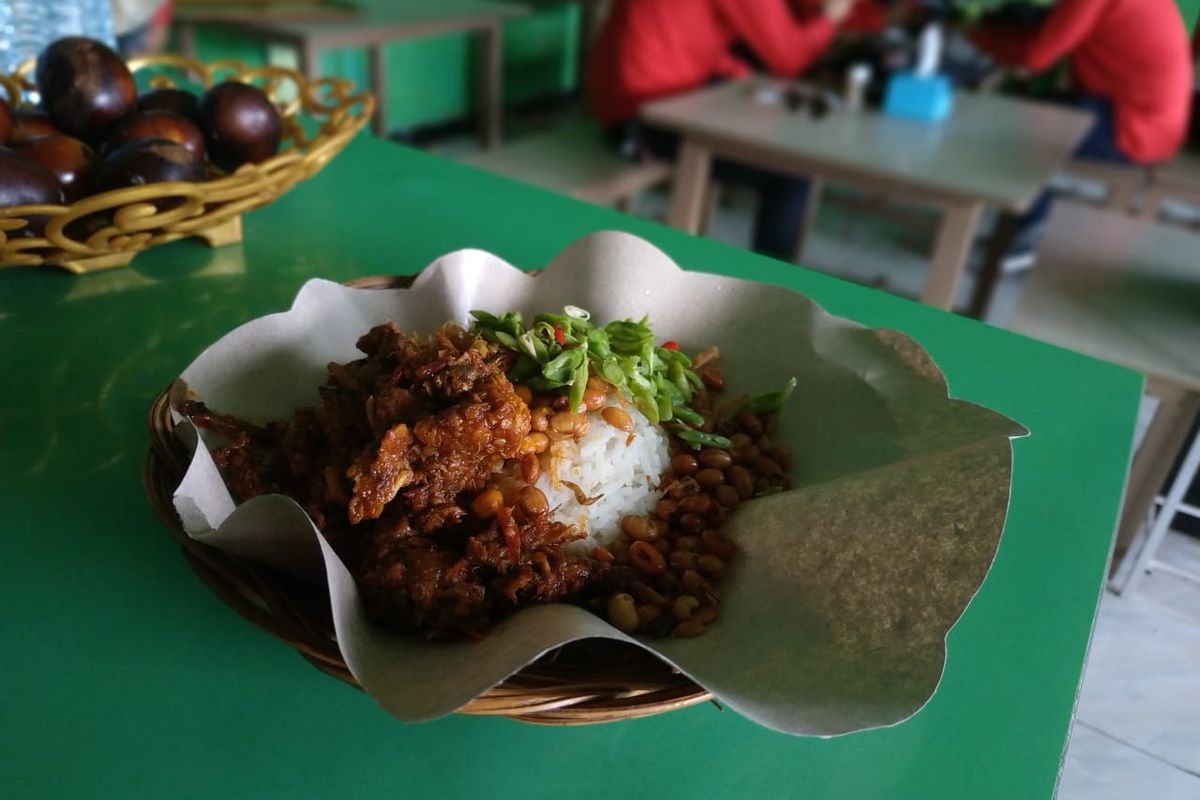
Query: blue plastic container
{"points": [[923, 97]]}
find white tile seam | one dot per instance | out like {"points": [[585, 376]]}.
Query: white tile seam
{"points": [[1101, 732]]}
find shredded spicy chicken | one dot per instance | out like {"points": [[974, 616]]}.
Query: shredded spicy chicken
{"points": [[387, 465]]}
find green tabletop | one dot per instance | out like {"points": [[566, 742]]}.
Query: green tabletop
{"points": [[123, 676]]}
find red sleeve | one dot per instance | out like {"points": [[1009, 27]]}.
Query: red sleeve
{"points": [[1068, 24], [867, 16], [785, 44]]}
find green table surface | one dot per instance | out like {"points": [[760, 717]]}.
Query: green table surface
{"points": [[123, 676]]}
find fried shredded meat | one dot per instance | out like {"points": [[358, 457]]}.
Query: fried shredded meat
{"points": [[387, 465]]}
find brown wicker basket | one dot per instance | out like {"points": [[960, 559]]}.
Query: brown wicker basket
{"points": [[591, 681], [108, 229]]}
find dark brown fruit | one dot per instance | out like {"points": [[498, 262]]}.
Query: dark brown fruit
{"points": [[29, 123], [240, 125], [26, 182], [147, 161], [157, 125], [68, 159], [177, 101], [85, 86], [6, 122]]}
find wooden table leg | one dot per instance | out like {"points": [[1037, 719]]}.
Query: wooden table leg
{"points": [[309, 58], [491, 89], [378, 68], [811, 205], [1152, 462], [955, 234], [185, 39], [587, 21], [687, 187], [993, 261]]}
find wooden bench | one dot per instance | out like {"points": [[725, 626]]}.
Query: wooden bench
{"points": [[1128, 291], [573, 160], [1141, 191], [1179, 181]]}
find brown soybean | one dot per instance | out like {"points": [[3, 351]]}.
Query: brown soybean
{"points": [[594, 399], [535, 442], [687, 629], [713, 379], [646, 560], [696, 504], [622, 612], [532, 501], [525, 394], [715, 544], [739, 440], [665, 508], [617, 418], [639, 528], [564, 422], [690, 543], [684, 464], [742, 481], [683, 606], [603, 554], [727, 496], [711, 566], [684, 560], [692, 522], [487, 503], [705, 613], [747, 455], [766, 466], [717, 459], [750, 423], [648, 615], [710, 478], [531, 468]]}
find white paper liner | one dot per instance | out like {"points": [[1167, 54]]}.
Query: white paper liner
{"points": [[834, 613]]}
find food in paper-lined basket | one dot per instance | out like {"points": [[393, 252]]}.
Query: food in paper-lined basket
{"points": [[465, 475]]}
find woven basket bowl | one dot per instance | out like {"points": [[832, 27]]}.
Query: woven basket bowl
{"points": [[319, 118], [591, 681]]}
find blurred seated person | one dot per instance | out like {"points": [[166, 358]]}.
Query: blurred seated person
{"points": [[650, 49], [1130, 67]]}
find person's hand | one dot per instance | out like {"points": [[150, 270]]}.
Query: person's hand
{"points": [[837, 10]]}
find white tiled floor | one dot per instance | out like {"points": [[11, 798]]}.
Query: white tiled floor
{"points": [[1137, 727]]}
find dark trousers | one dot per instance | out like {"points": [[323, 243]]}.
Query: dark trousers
{"points": [[782, 198], [1100, 144]]}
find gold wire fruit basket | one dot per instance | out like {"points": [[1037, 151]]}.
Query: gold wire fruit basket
{"points": [[108, 229]]}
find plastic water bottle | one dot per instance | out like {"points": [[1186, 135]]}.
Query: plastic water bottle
{"points": [[27, 26], [22, 30]]}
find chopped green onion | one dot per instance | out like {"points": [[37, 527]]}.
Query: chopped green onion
{"points": [[685, 414], [771, 401], [699, 439], [560, 351]]}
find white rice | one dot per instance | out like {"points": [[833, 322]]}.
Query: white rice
{"points": [[624, 468]]}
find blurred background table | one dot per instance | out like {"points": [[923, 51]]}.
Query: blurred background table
{"points": [[373, 24], [991, 150], [125, 676]]}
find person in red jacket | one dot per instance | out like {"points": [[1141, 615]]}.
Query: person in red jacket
{"points": [[648, 49], [1130, 66]]}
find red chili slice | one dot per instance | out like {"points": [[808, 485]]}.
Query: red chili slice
{"points": [[671, 345], [558, 335]]}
